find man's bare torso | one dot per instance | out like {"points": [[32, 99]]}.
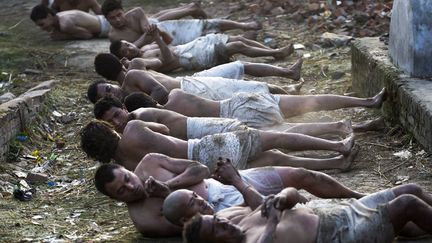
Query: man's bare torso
{"points": [[132, 31], [136, 79], [176, 122], [80, 19]]}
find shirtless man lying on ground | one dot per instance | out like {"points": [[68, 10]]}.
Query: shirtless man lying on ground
{"points": [[132, 25], [248, 148], [64, 5], [135, 188], [217, 83], [204, 52], [257, 110], [69, 25], [111, 110], [378, 217]]}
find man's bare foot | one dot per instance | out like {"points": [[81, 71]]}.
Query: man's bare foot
{"points": [[345, 127], [378, 99], [198, 12], [370, 125], [294, 89], [254, 25], [348, 159], [347, 145], [295, 70], [284, 52]]}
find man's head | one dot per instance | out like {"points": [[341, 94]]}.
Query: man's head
{"points": [[111, 110], [182, 204], [43, 17], [208, 228], [118, 183], [99, 140], [125, 49], [108, 66], [138, 100], [101, 88], [114, 13]]}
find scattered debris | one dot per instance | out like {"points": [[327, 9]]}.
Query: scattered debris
{"points": [[404, 154], [33, 177]]}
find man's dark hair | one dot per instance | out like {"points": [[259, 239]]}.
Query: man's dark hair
{"points": [[107, 65], [104, 104], [40, 11], [191, 230], [104, 174], [111, 5], [138, 100], [115, 48], [99, 140], [92, 90]]}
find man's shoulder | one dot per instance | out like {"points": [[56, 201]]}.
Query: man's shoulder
{"points": [[135, 12]]}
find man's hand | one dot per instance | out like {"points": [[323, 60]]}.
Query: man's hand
{"points": [[225, 172], [268, 209], [125, 62], [155, 188]]}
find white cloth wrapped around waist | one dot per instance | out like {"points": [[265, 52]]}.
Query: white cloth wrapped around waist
{"points": [[216, 88], [239, 147], [255, 110], [198, 127], [201, 53], [234, 70]]}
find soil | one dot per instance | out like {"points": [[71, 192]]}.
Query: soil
{"points": [[68, 208]]}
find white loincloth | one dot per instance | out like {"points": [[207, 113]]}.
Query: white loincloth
{"points": [[239, 147], [215, 88], [186, 30], [203, 52], [198, 127], [254, 110], [234, 70], [104, 26]]}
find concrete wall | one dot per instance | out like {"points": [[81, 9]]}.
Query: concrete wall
{"points": [[16, 114], [409, 100]]}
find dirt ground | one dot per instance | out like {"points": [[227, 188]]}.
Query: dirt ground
{"points": [[68, 208]]}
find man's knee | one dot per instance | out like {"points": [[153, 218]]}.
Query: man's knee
{"points": [[411, 188]]}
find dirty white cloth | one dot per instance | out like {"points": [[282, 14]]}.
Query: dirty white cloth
{"points": [[255, 110], [186, 30], [216, 88], [198, 127], [50, 3], [265, 180], [363, 220], [104, 26], [234, 70], [239, 147], [201, 53]]}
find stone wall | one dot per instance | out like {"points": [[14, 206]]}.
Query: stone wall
{"points": [[16, 114], [409, 100]]}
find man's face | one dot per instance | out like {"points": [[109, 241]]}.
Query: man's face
{"points": [[118, 117], [46, 24], [105, 89], [126, 186], [193, 203], [117, 18], [129, 50], [214, 229]]}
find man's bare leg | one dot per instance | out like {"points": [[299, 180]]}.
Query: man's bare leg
{"points": [[294, 89], [238, 47], [415, 190], [373, 125], [265, 70], [248, 42], [193, 9], [342, 128], [406, 208], [299, 104], [316, 183], [277, 158], [300, 142], [225, 24]]}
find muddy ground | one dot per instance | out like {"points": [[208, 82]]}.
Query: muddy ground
{"points": [[68, 208]]}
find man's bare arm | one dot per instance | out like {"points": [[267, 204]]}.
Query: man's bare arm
{"points": [[144, 23], [157, 127], [227, 174], [188, 172], [167, 56], [95, 7], [144, 63], [144, 82]]}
